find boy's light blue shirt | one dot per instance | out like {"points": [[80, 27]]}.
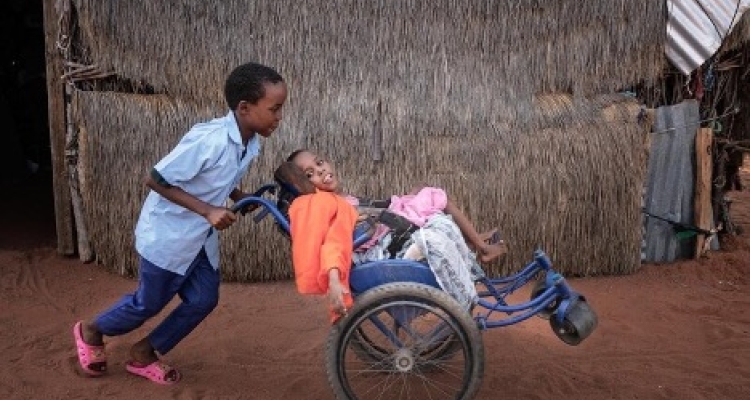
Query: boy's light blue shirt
{"points": [[208, 164]]}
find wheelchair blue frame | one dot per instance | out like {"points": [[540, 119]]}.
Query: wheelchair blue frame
{"points": [[488, 314]]}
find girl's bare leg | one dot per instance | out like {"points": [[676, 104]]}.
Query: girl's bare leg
{"points": [[486, 251]]}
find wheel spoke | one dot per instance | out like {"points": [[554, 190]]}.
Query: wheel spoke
{"points": [[417, 360], [409, 342], [435, 384]]}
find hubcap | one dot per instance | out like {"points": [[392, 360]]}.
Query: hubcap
{"points": [[403, 360]]}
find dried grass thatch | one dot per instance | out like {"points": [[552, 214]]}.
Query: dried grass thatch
{"points": [[516, 48], [473, 98], [740, 34], [566, 177]]}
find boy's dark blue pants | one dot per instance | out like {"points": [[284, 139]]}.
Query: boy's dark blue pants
{"points": [[198, 289]]}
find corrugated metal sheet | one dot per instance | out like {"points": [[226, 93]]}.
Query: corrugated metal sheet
{"points": [[696, 29], [670, 182]]}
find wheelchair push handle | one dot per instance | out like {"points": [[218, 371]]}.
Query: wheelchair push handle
{"points": [[246, 205], [256, 200]]}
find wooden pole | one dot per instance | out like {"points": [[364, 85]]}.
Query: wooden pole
{"points": [[56, 109], [85, 252], [703, 169]]}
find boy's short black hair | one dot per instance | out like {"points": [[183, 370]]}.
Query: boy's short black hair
{"points": [[246, 82]]}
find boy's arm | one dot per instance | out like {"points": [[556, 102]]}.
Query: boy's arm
{"points": [[219, 217], [186, 161]]}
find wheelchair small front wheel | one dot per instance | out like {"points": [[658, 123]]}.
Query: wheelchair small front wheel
{"points": [[577, 324], [391, 346]]}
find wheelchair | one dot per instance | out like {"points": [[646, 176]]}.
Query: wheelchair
{"points": [[406, 338]]}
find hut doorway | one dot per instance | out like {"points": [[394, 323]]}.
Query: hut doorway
{"points": [[27, 204]]}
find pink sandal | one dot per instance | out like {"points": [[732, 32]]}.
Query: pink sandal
{"points": [[157, 372], [89, 356]]}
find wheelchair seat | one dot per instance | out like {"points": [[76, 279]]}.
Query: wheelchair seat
{"points": [[292, 183]]}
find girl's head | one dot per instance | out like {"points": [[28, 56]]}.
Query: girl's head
{"points": [[256, 94], [319, 170]]}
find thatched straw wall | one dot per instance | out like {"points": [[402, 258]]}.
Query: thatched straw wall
{"points": [[740, 34], [430, 47], [733, 86], [566, 177], [397, 93]]}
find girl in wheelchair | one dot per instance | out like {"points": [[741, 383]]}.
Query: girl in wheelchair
{"points": [[423, 225]]}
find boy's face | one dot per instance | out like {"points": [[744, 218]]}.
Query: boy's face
{"points": [[320, 172], [264, 116]]}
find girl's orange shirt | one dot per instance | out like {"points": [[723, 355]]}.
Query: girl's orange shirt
{"points": [[322, 231]]}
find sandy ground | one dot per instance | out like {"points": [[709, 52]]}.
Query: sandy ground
{"points": [[677, 331]]}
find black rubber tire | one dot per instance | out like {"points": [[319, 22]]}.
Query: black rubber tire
{"points": [[579, 322], [539, 287], [347, 332]]}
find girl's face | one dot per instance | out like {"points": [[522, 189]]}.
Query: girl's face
{"points": [[320, 172]]}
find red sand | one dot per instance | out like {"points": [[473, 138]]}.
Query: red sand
{"points": [[677, 331]]}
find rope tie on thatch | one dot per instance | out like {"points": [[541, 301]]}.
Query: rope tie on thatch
{"points": [[63, 39], [78, 72], [75, 72]]}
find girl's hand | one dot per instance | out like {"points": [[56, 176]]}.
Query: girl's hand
{"points": [[490, 252], [336, 292]]}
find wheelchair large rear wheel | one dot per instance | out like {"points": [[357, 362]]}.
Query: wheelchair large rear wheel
{"points": [[392, 345]]}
